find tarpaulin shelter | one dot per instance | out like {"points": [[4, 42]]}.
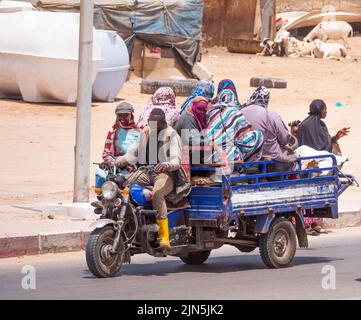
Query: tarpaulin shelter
{"points": [[174, 24]]}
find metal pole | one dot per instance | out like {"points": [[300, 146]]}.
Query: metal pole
{"points": [[84, 99]]}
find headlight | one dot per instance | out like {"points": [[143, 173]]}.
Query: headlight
{"points": [[109, 190]]}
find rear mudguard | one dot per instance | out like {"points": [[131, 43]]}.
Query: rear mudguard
{"points": [[263, 223], [101, 223]]}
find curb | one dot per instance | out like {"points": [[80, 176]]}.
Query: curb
{"points": [[347, 218], [43, 243]]}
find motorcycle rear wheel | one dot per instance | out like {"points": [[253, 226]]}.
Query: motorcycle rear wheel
{"points": [[100, 261]]}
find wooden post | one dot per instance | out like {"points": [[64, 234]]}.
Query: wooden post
{"points": [[143, 58], [224, 15]]}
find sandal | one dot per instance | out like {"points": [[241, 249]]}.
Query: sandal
{"points": [[311, 232]]}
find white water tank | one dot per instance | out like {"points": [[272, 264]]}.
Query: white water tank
{"points": [[13, 6], [113, 69], [39, 58]]}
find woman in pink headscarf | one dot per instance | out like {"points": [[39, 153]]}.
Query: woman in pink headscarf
{"points": [[193, 121], [163, 98]]}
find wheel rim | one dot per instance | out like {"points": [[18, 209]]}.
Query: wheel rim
{"points": [[107, 258], [280, 243]]}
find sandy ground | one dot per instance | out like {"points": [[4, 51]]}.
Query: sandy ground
{"points": [[37, 140]]}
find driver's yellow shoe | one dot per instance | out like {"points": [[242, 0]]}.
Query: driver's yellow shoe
{"points": [[163, 233]]}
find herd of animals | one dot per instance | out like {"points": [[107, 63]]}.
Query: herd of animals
{"points": [[314, 45]]}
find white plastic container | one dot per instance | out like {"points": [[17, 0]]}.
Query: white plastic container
{"points": [[39, 56], [14, 6], [113, 69]]}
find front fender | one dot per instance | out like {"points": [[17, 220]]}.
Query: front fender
{"points": [[101, 223]]}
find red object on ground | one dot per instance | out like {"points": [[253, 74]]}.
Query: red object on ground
{"points": [[156, 50]]}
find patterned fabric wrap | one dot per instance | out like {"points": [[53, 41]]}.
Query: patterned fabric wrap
{"points": [[259, 97], [229, 129], [227, 84], [203, 88], [163, 98], [228, 97]]}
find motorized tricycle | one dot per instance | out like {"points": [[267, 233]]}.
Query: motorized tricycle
{"points": [[247, 208]]}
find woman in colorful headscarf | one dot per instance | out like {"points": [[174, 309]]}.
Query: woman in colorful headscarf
{"points": [[228, 129], [228, 97], [204, 89], [227, 84], [259, 97], [163, 98]]}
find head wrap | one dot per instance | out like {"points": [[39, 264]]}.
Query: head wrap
{"points": [[259, 97], [204, 89]]}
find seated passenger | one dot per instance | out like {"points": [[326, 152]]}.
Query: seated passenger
{"points": [[120, 138], [159, 145], [228, 129], [276, 135], [123, 134], [193, 122], [204, 89], [227, 84], [313, 131], [163, 98]]}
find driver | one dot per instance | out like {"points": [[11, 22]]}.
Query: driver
{"points": [[159, 145]]}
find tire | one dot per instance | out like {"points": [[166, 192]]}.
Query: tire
{"points": [[180, 87], [100, 266], [278, 255], [196, 257], [268, 82]]}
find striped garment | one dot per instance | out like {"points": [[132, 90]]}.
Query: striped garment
{"points": [[229, 129], [227, 85]]}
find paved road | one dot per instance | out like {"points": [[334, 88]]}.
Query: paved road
{"points": [[227, 274]]}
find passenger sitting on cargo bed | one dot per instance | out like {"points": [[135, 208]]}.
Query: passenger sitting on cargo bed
{"points": [[164, 99], [193, 121], [279, 143], [229, 130], [227, 84], [204, 88], [313, 130]]}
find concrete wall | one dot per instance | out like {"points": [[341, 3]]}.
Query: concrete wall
{"points": [[307, 5]]}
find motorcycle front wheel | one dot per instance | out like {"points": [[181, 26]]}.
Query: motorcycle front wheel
{"points": [[102, 262]]}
